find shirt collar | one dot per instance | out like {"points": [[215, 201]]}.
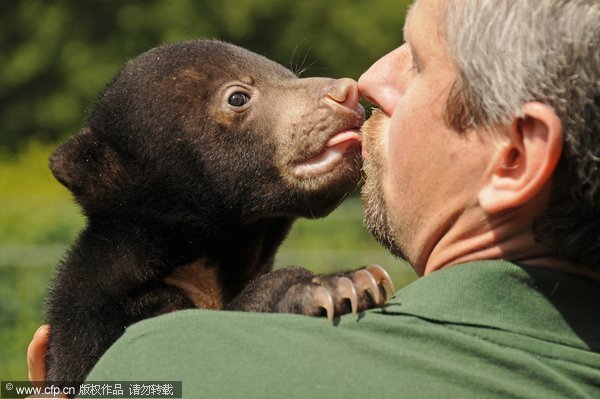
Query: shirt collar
{"points": [[534, 301]]}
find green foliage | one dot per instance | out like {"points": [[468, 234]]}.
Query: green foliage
{"points": [[22, 289], [56, 56], [35, 209], [37, 220]]}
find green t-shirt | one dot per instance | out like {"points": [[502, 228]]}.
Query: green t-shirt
{"points": [[481, 330]]}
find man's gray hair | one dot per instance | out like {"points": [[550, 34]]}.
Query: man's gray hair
{"points": [[510, 52]]}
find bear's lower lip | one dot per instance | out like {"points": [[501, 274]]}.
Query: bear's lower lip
{"points": [[333, 153]]}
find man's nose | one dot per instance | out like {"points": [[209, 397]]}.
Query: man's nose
{"points": [[380, 84]]}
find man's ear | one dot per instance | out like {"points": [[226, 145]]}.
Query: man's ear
{"points": [[525, 162], [89, 168]]}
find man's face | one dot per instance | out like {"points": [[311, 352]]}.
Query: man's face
{"points": [[421, 175]]}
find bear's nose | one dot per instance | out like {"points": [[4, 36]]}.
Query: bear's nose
{"points": [[344, 92]]}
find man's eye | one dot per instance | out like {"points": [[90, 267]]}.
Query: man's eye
{"points": [[238, 99]]}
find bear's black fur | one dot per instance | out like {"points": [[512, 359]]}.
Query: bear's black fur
{"points": [[170, 173]]}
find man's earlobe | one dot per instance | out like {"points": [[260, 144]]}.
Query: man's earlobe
{"points": [[525, 162]]}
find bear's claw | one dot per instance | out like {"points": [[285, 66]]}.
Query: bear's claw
{"points": [[363, 289]]}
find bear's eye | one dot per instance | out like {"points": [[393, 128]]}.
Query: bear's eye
{"points": [[238, 99]]}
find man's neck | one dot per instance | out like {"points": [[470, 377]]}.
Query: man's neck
{"points": [[476, 236]]}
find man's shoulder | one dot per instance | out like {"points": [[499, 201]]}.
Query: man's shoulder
{"points": [[235, 354], [424, 343]]}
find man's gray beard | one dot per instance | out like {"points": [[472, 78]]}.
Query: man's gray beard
{"points": [[376, 217]]}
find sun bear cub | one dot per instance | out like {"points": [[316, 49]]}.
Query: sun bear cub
{"points": [[191, 168]]}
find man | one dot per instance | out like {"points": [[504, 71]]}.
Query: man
{"points": [[483, 171]]}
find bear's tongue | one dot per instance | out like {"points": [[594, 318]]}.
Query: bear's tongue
{"points": [[330, 157]]}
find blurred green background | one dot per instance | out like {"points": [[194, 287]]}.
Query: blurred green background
{"points": [[55, 56]]}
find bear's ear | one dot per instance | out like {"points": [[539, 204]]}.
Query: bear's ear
{"points": [[88, 167]]}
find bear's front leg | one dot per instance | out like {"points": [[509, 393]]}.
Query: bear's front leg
{"points": [[297, 290]]}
